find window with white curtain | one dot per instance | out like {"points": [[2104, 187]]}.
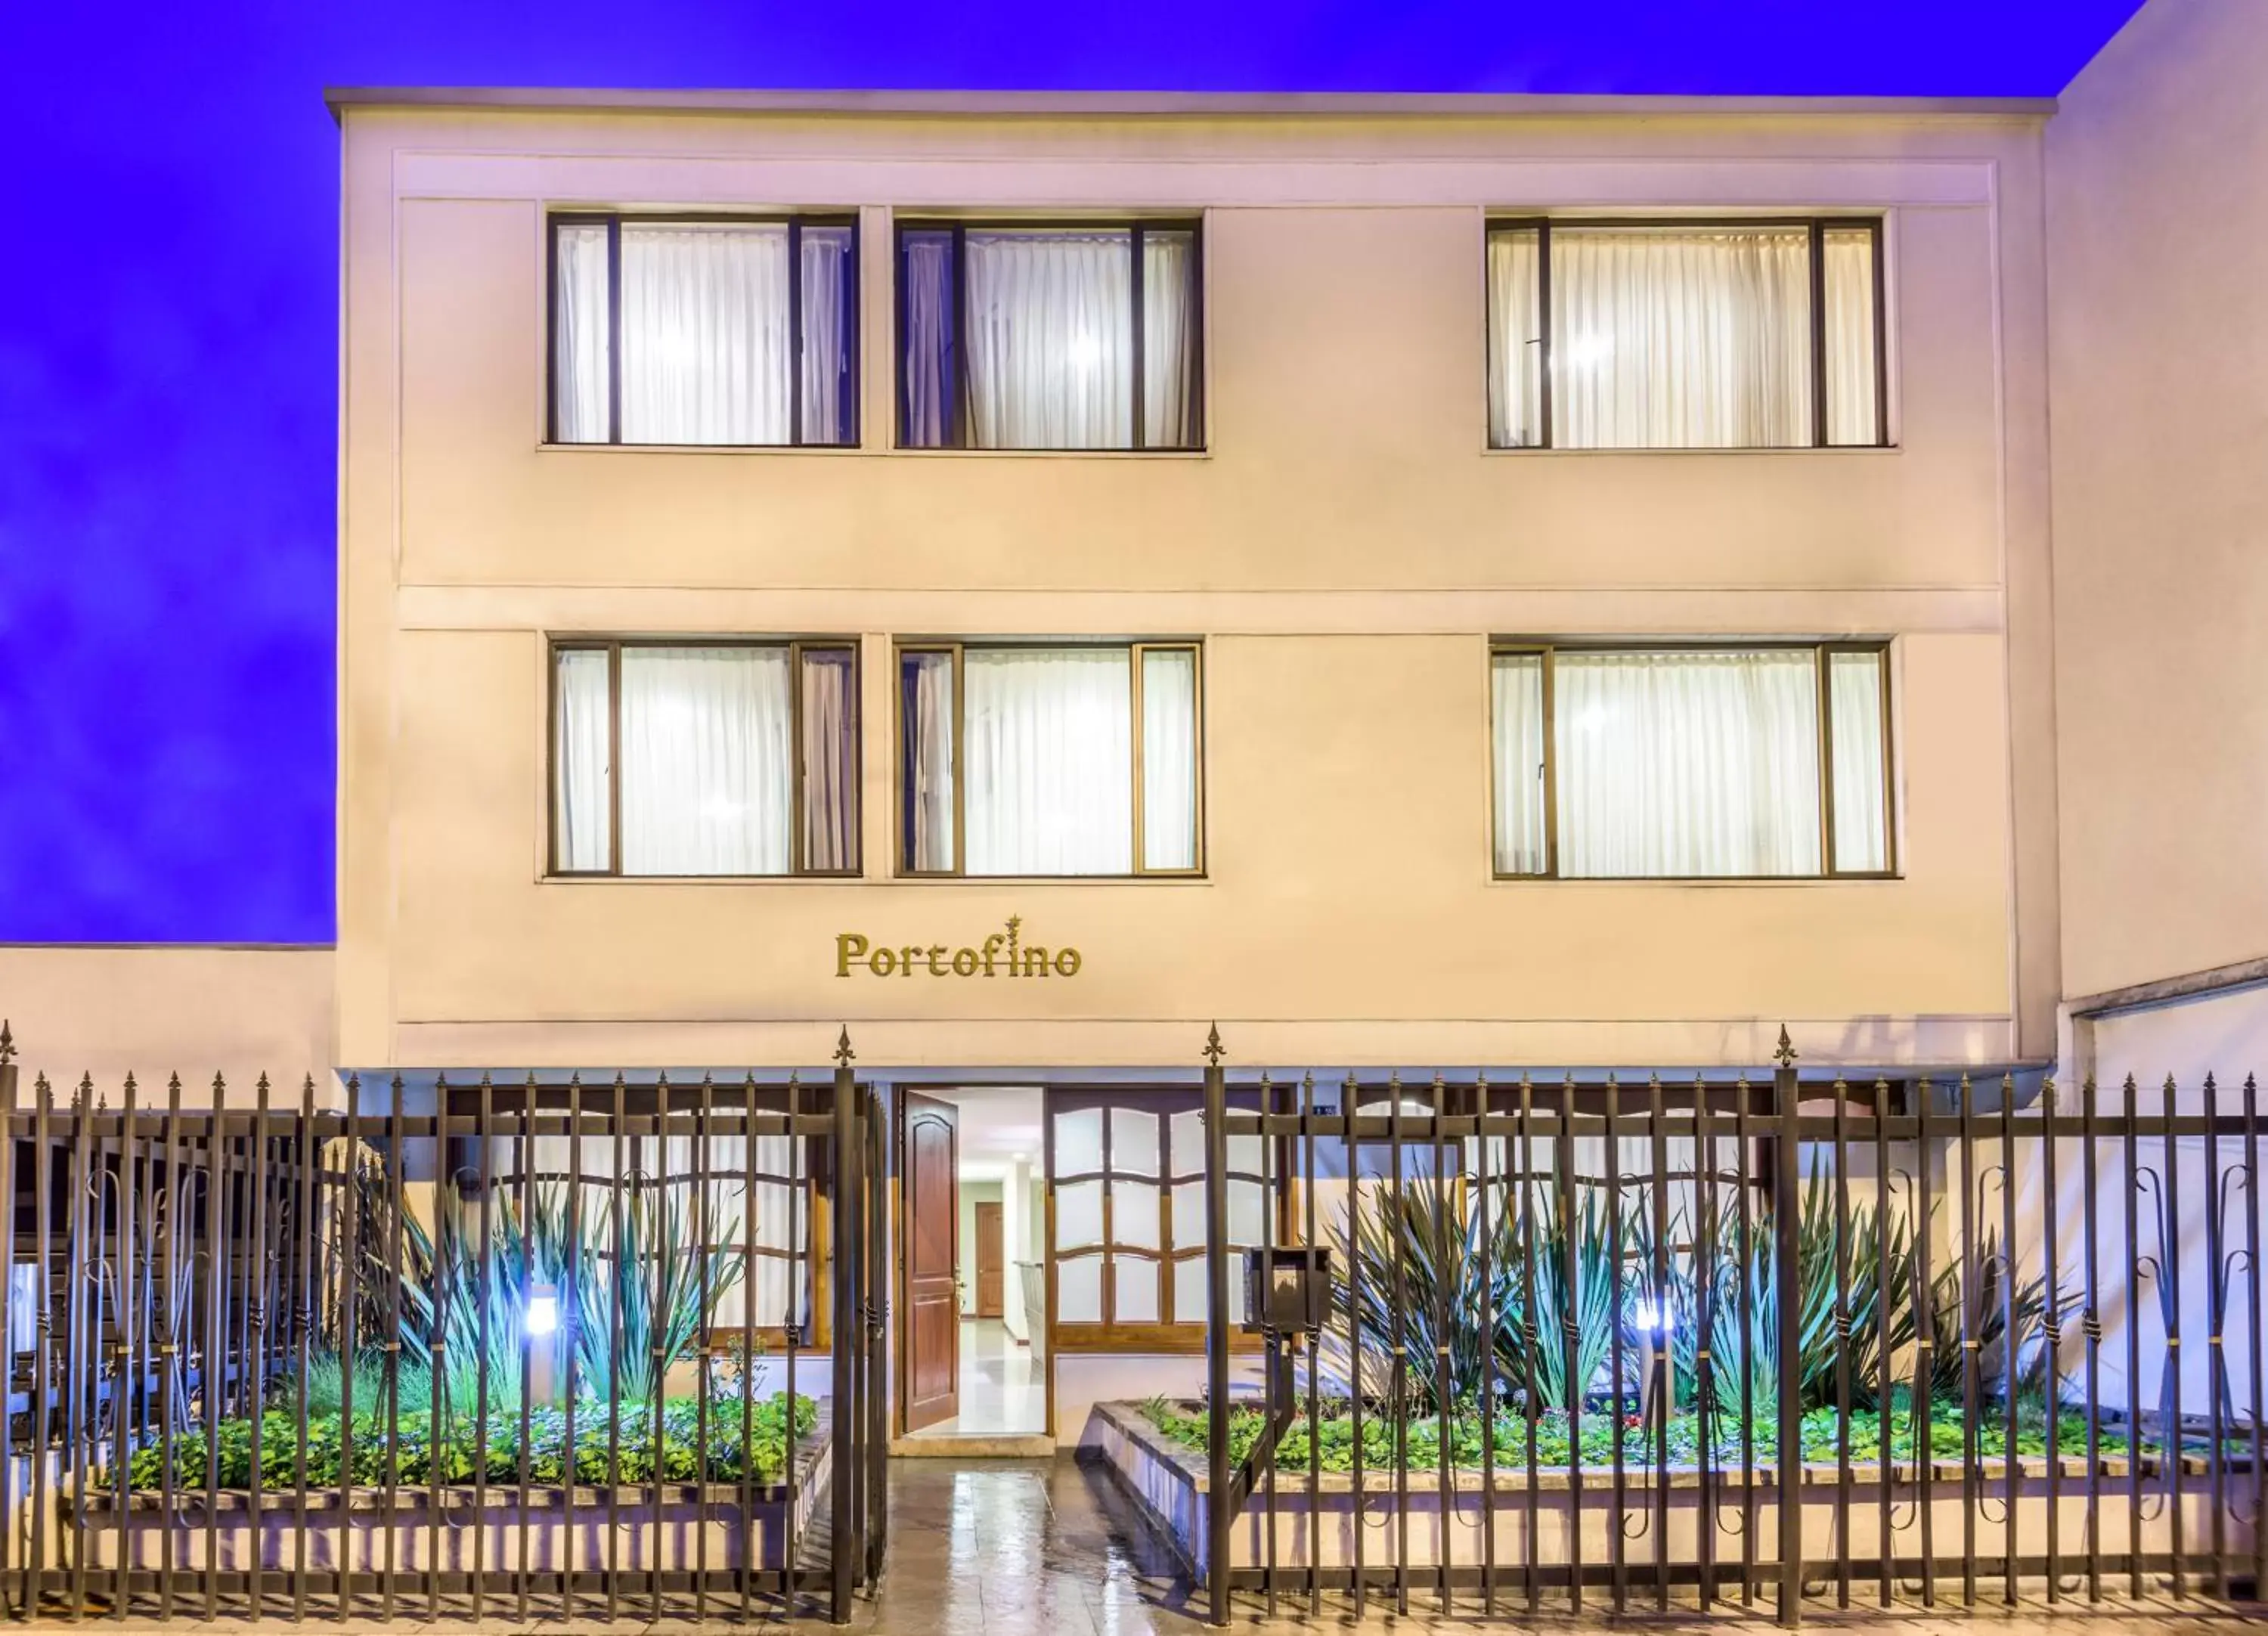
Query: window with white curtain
{"points": [[1671, 763], [1693, 334], [1064, 336], [726, 331], [710, 758], [1038, 760]]}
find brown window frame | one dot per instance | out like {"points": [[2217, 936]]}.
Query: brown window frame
{"points": [[612, 221], [959, 649], [1171, 1333], [1136, 228], [795, 647], [1824, 653], [1816, 226]]}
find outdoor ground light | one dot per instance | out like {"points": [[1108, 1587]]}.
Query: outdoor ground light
{"points": [[542, 1315]]}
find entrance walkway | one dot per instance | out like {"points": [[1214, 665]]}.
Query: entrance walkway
{"points": [[1049, 1548]]}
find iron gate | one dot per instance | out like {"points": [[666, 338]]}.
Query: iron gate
{"points": [[466, 1360], [1555, 1365]]}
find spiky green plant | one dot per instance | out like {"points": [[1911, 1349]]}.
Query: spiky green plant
{"points": [[1430, 1303], [1581, 1310]]}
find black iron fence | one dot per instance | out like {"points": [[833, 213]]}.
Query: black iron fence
{"points": [[1771, 1343], [552, 1347]]}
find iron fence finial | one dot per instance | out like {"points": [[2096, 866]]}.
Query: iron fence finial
{"points": [[7, 1044], [1213, 1049], [1784, 1056], [843, 1054]]}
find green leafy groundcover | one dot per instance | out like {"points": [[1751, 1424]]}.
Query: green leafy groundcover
{"points": [[1510, 1435], [412, 1453]]}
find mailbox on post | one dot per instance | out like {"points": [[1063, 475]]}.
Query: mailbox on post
{"points": [[1287, 1289]]}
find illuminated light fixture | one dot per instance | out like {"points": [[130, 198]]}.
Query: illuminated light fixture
{"points": [[543, 1315], [1655, 1320]]}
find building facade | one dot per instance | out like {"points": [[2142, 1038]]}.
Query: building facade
{"points": [[1289, 609]]}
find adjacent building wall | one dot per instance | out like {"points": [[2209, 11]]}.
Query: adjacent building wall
{"points": [[1345, 548], [106, 1011], [2158, 227]]}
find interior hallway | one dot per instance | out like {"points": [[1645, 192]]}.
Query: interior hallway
{"points": [[1003, 1391]]}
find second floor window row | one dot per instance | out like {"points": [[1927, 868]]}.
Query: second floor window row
{"points": [[1733, 334]]}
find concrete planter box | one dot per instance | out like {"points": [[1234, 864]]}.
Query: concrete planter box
{"points": [[462, 1531], [1170, 1484]]}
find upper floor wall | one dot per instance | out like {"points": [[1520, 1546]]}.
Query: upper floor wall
{"points": [[1345, 358]]}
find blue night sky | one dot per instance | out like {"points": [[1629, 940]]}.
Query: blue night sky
{"points": [[168, 309]]}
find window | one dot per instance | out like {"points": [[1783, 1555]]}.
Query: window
{"points": [[1127, 1174], [1063, 337], [1727, 334], [1049, 761], [1670, 764], [707, 331], [717, 758]]}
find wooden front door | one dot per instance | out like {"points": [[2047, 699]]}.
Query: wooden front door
{"points": [[991, 1262], [928, 1159]]}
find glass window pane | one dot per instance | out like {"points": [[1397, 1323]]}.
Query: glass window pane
{"points": [[1133, 1142], [1170, 316], [1187, 1132], [1681, 337], [831, 759], [579, 335], [582, 807], [1078, 1142], [1134, 1214], [1854, 404], [1050, 337], [1190, 1290], [1169, 758], [1860, 757], [1134, 1290], [929, 375], [1247, 1213], [706, 351], [1244, 1154], [1078, 1290], [1687, 764], [1049, 762], [1078, 1214], [926, 724], [1515, 340], [1516, 684], [830, 394], [707, 786], [1188, 1215]]}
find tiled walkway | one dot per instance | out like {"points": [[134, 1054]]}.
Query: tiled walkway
{"points": [[1049, 1548]]}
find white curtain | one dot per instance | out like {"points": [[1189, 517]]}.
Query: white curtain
{"points": [[1852, 408], [1051, 334], [1688, 763], [1169, 339], [927, 293], [1169, 758], [581, 811], [706, 349], [707, 775], [1516, 687], [1515, 340], [578, 322], [1049, 762], [1681, 337], [927, 734], [827, 388], [1860, 759], [831, 759]]}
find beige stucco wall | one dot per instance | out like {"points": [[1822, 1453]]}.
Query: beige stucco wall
{"points": [[1345, 549], [105, 1011], [2160, 300]]}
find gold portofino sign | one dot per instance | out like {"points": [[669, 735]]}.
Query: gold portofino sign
{"points": [[1003, 954]]}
